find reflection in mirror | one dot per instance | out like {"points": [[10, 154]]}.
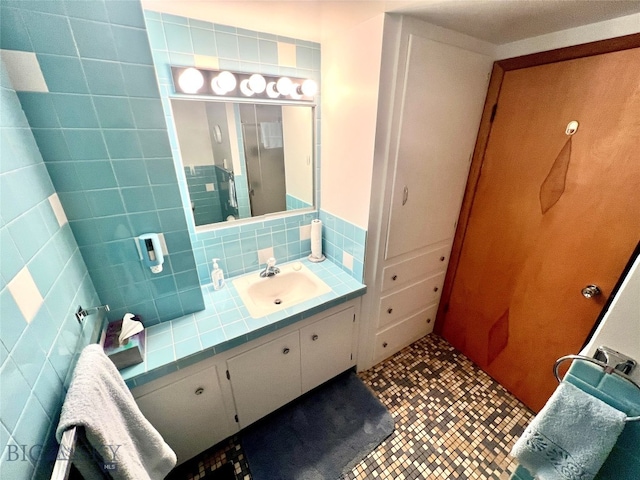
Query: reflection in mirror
{"points": [[243, 160]]}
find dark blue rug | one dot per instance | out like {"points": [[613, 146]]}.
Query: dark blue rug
{"points": [[319, 436]]}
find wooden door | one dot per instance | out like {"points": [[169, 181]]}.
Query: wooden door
{"points": [[551, 214]]}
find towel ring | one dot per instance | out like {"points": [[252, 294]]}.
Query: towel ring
{"points": [[607, 369]]}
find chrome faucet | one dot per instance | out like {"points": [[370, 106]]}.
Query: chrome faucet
{"points": [[270, 270]]}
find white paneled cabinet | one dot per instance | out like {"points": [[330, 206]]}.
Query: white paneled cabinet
{"points": [[265, 378], [429, 110], [270, 375], [190, 413], [326, 348]]}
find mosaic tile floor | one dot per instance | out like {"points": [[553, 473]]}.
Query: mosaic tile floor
{"points": [[452, 421]]}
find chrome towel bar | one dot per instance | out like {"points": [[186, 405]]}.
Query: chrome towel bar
{"points": [[607, 369]]}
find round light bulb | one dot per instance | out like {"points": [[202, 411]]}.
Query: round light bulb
{"points": [[309, 88], [227, 81], [284, 85], [215, 86], [190, 80], [245, 89], [257, 83], [271, 90], [295, 91]]}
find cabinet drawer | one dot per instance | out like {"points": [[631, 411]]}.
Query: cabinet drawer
{"points": [[397, 337], [412, 269], [396, 306], [265, 378]]}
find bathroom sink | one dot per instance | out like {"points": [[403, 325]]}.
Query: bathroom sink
{"points": [[294, 284]]}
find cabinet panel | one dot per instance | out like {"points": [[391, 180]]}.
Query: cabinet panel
{"points": [[189, 414], [326, 348], [265, 378], [396, 306], [410, 270], [442, 100], [395, 338]]}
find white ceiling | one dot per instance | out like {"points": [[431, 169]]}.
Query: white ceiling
{"points": [[505, 21], [495, 21]]}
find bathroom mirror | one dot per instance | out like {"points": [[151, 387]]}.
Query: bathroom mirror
{"points": [[243, 160]]}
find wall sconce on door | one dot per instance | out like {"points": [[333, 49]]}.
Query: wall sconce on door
{"points": [[198, 81]]}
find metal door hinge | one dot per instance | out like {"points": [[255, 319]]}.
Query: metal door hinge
{"points": [[493, 113], [228, 375]]}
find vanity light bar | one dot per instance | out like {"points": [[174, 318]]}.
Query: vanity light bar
{"points": [[223, 83]]}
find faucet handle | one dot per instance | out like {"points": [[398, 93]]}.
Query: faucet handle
{"points": [[271, 262]]}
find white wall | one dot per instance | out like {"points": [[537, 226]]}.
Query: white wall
{"points": [[620, 328], [350, 79], [573, 36], [192, 128], [297, 136]]}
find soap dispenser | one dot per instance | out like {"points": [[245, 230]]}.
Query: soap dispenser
{"points": [[217, 275]]}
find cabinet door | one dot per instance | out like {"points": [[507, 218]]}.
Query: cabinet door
{"points": [[326, 348], [442, 102], [189, 414], [265, 378]]}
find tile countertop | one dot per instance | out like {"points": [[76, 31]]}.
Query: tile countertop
{"points": [[225, 323]]}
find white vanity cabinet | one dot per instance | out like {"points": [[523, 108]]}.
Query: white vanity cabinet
{"points": [[198, 406], [190, 412], [265, 378], [270, 375]]}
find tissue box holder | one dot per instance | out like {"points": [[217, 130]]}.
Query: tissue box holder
{"points": [[131, 353]]}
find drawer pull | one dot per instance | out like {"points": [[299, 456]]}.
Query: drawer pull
{"points": [[435, 289], [442, 259], [199, 391], [285, 351], [314, 337], [428, 320], [394, 278], [384, 345], [389, 311]]}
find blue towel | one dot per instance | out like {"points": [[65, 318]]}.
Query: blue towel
{"points": [[571, 437]]}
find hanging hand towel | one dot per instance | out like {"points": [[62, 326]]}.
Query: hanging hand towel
{"points": [[571, 437], [99, 400]]}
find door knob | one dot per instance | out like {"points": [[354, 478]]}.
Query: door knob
{"points": [[591, 291]]}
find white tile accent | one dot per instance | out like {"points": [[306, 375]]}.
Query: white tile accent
{"points": [[347, 260], [287, 54], [204, 61], [265, 254], [26, 294], [209, 187], [305, 232], [24, 71], [54, 201]]}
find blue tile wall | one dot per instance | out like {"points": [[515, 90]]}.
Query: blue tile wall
{"points": [[36, 354], [102, 135], [294, 203], [205, 204], [340, 237]]}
